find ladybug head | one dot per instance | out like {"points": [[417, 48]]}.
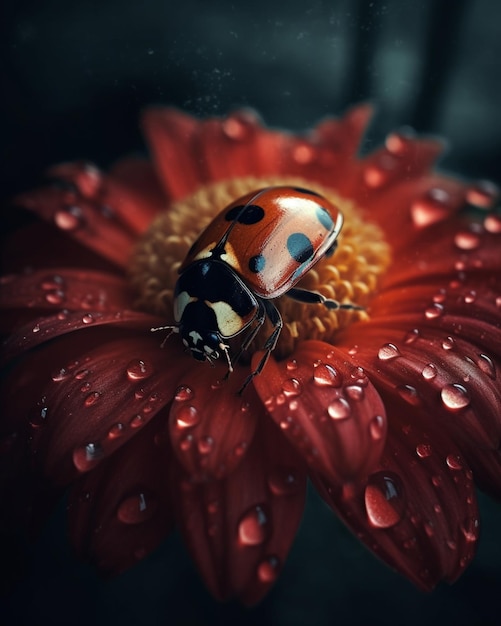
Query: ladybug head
{"points": [[204, 346]]}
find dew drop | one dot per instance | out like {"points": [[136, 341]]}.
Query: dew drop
{"points": [[137, 369], [409, 394], [431, 207], [303, 153], [454, 462], [205, 445], [448, 343], [237, 127], [39, 415], [470, 297], [455, 397], [55, 297], [423, 450], [470, 529], [186, 443], [116, 431], [253, 527], [36, 328], [88, 318], [384, 499], [412, 336], [291, 387], [70, 218], [267, 570], [283, 481], [355, 392], [81, 374], [183, 393], [86, 457], [187, 416], [325, 375], [339, 409], [137, 508], [487, 366], [377, 427], [466, 240], [60, 375], [429, 371], [92, 398], [492, 224], [291, 365], [483, 194], [137, 421], [388, 351], [434, 311]]}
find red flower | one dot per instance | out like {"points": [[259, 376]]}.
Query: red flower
{"points": [[391, 414]]}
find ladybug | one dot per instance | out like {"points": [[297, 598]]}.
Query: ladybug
{"points": [[254, 251]]}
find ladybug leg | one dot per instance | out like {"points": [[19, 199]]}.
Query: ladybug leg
{"points": [[260, 319], [312, 297], [171, 329], [275, 318]]}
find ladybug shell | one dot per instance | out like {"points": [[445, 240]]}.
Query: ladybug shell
{"points": [[270, 237]]}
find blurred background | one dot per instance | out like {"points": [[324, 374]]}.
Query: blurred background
{"points": [[75, 76]]}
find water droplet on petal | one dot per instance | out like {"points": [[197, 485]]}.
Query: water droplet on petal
{"points": [[55, 297], [377, 427], [483, 194], [492, 224], [454, 462], [88, 318], [267, 570], [186, 443], [38, 417], [448, 343], [434, 311], [388, 351], [253, 528], [384, 499], [60, 375], [325, 375], [455, 397], [137, 369], [470, 529], [431, 207], [36, 328], [86, 457], [409, 394], [303, 153], [423, 450], [291, 387], [137, 421], [466, 240], [487, 366], [283, 481], [237, 127], [429, 371], [70, 218], [183, 393], [187, 416], [117, 430], [205, 445], [412, 336], [137, 508], [92, 398], [339, 409], [291, 365], [354, 392]]}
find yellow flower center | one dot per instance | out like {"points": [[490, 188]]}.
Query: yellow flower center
{"points": [[351, 275]]}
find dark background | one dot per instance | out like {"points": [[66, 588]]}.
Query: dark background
{"points": [[75, 76]]}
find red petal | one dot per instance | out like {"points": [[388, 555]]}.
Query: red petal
{"points": [[45, 329], [170, 135], [62, 288], [211, 425], [327, 409], [240, 529], [94, 408], [121, 511], [418, 511], [77, 212]]}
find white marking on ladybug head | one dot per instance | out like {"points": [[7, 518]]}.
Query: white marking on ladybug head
{"points": [[229, 322], [195, 337], [181, 301]]}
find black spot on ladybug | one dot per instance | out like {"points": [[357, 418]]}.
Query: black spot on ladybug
{"points": [[245, 214], [299, 247], [324, 217], [309, 192], [257, 263]]}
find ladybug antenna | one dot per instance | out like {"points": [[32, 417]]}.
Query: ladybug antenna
{"points": [[225, 349], [171, 329]]}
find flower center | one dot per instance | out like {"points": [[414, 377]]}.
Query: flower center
{"points": [[351, 275]]}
